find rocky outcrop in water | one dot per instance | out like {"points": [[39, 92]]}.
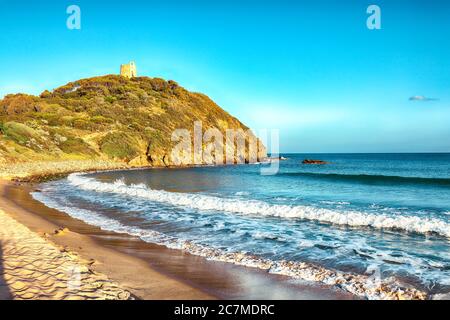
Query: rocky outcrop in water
{"points": [[312, 161]]}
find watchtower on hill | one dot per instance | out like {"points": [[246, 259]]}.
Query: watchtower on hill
{"points": [[128, 70]]}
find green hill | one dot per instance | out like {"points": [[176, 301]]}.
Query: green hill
{"points": [[108, 117]]}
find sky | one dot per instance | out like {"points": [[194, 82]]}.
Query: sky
{"points": [[311, 69]]}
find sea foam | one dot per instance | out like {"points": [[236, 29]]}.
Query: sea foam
{"points": [[203, 202], [361, 285]]}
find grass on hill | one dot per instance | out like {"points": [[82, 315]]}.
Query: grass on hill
{"points": [[108, 117]]}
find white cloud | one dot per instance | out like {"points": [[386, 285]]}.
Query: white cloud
{"points": [[421, 98]]}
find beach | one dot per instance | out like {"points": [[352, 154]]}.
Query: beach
{"points": [[215, 233], [32, 247], [340, 226], [36, 269], [126, 267], [206, 155]]}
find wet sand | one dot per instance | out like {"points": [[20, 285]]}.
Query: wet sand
{"points": [[150, 271]]}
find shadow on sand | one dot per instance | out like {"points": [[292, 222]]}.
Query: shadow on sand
{"points": [[5, 294]]}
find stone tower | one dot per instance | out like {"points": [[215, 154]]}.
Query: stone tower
{"points": [[128, 70]]}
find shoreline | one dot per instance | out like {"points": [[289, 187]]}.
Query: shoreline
{"points": [[147, 270], [23, 176], [32, 267], [362, 285], [178, 273], [151, 271], [128, 271]]}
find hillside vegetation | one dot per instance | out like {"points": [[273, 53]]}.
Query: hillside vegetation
{"points": [[108, 118]]}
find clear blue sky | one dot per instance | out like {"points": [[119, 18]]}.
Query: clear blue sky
{"points": [[311, 69]]}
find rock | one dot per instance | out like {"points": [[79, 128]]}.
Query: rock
{"points": [[92, 262], [312, 161], [139, 161], [61, 231]]}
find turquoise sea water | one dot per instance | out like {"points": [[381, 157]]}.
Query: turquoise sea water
{"points": [[360, 212]]}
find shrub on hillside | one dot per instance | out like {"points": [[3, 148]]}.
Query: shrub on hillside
{"points": [[120, 145]]}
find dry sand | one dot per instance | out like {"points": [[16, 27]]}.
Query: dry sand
{"points": [[33, 268]]}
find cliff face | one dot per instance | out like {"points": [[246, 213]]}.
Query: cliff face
{"points": [[112, 117]]}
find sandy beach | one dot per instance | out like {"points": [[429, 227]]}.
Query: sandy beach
{"points": [[42, 260], [113, 266], [34, 268]]}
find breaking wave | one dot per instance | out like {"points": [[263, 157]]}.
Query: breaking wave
{"points": [[203, 202], [363, 285]]}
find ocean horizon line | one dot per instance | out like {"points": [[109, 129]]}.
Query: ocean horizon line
{"points": [[421, 152]]}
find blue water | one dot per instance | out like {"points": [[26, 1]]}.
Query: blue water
{"points": [[360, 211]]}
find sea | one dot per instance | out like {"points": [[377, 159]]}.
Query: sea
{"points": [[384, 218]]}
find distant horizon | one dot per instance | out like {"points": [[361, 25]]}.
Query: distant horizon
{"points": [[283, 153]]}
